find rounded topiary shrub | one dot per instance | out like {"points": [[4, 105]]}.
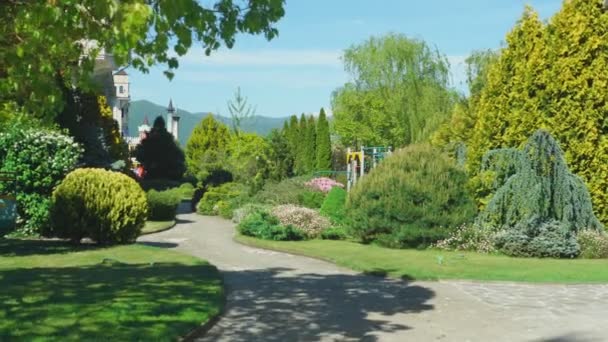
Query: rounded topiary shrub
{"points": [[162, 205], [108, 207], [412, 199]]}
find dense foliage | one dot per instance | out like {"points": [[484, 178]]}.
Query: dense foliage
{"points": [[535, 199], [411, 199], [249, 160], [552, 76], [307, 220], [222, 200], [334, 205], [593, 244], [263, 225], [399, 94], [108, 207], [206, 152], [159, 153], [162, 205], [40, 158], [48, 45], [323, 143]]}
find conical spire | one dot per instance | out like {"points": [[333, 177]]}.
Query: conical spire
{"points": [[170, 109]]}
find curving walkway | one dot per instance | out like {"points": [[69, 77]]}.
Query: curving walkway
{"points": [[280, 297]]}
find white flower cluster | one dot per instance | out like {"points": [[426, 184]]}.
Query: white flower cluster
{"points": [[307, 220]]}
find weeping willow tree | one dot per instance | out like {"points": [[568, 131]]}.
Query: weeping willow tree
{"points": [[537, 201], [399, 93]]}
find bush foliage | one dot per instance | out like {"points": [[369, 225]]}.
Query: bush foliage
{"points": [[40, 158], [593, 244], [162, 205], [108, 207], [222, 200], [307, 220], [334, 206], [413, 198], [551, 75], [263, 225]]}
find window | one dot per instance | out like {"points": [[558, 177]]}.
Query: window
{"points": [[121, 89]]}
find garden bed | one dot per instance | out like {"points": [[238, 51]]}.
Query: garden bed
{"points": [[157, 226], [433, 264], [54, 291]]}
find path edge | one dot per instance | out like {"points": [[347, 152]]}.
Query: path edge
{"points": [[204, 328]]}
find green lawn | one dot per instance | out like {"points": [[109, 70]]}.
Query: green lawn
{"points": [[157, 226], [52, 291], [435, 264]]}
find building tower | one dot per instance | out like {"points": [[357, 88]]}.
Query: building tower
{"points": [[172, 120], [120, 103]]}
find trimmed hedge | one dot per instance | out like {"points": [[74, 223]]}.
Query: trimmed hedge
{"points": [[162, 205], [108, 207]]}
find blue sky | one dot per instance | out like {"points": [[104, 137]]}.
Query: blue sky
{"points": [[298, 71]]}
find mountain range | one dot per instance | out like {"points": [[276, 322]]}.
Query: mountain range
{"points": [[141, 109]]}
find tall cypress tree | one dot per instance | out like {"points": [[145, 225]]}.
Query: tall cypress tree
{"points": [[311, 145], [323, 145], [300, 143]]}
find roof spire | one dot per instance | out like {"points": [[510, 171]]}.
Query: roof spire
{"points": [[170, 109]]}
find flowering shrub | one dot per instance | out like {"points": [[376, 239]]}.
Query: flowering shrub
{"points": [[593, 244], [263, 225], [468, 238], [307, 220], [40, 158], [323, 184]]}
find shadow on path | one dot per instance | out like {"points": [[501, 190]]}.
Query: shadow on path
{"points": [[276, 304]]}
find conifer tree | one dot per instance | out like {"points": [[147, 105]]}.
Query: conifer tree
{"points": [[206, 148], [552, 76], [323, 144], [311, 145], [160, 154], [299, 143]]}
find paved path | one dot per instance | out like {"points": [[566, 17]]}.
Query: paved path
{"points": [[279, 297]]}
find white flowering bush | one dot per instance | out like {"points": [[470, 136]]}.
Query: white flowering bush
{"points": [[593, 244], [468, 237], [307, 220], [40, 158]]}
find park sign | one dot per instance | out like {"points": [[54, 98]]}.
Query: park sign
{"points": [[8, 202]]}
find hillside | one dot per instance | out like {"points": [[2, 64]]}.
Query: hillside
{"points": [[139, 109]]}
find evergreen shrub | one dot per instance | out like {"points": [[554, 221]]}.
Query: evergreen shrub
{"points": [[222, 199], [287, 191], [263, 225], [108, 207], [334, 205], [311, 199], [412, 199], [334, 233], [536, 200], [162, 205]]}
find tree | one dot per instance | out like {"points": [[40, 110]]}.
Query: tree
{"points": [[323, 143], [400, 93], [249, 160], [240, 111], [159, 153], [310, 145], [300, 146], [457, 130], [46, 44], [281, 158], [552, 76], [206, 151]]}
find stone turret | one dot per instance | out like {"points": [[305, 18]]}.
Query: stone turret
{"points": [[173, 120]]}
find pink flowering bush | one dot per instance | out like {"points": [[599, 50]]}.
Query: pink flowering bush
{"points": [[323, 184], [307, 220]]}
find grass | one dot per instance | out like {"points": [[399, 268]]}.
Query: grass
{"points": [[436, 264], [53, 291], [157, 226]]}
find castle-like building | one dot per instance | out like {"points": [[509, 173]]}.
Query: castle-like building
{"points": [[171, 122]]}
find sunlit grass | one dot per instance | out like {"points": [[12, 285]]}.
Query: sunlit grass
{"points": [[436, 264], [52, 291]]}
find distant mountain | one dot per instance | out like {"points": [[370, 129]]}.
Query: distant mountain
{"points": [[140, 109]]}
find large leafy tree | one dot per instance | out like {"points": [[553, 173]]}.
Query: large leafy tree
{"points": [[159, 153], [552, 76], [45, 44], [399, 93], [206, 151], [249, 159], [323, 143]]}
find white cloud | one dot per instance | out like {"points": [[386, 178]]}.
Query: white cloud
{"points": [[269, 57]]}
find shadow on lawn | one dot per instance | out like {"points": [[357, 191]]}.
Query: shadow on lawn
{"points": [[277, 305], [18, 247], [107, 302]]}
